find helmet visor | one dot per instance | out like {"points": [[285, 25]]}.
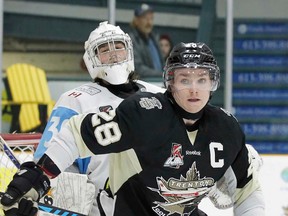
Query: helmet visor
{"points": [[192, 76]]}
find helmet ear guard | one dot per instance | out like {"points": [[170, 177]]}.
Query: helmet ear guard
{"points": [[191, 55], [115, 72], [89, 65]]}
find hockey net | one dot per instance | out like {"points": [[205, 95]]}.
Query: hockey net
{"points": [[68, 191], [23, 146]]}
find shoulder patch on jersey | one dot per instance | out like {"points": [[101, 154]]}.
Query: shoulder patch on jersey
{"points": [[88, 89], [106, 108], [150, 103]]}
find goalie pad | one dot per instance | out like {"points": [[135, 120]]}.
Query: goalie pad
{"points": [[71, 191]]}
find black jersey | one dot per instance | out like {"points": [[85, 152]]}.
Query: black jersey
{"points": [[158, 166]]}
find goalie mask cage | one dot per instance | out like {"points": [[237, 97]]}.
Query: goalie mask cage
{"points": [[23, 146]]}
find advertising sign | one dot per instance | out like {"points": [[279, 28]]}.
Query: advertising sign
{"points": [[262, 28]]}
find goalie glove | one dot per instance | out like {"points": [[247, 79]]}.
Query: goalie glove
{"points": [[29, 184]]}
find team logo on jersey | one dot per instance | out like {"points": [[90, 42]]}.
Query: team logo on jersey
{"points": [[150, 103], [181, 195], [89, 90], [176, 158], [105, 108]]}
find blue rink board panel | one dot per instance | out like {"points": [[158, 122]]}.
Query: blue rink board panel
{"points": [[265, 129], [256, 61], [252, 78], [261, 112], [279, 28], [261, 45], [260, 94], [270, 147]]}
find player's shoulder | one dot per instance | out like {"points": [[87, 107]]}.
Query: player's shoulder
{"points": [[220, 114], [149, 87], [82, 97], [85, 90], [223, 120], [146, 94], [147, 100]]}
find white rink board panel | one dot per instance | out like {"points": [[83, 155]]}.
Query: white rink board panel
{"points": [[274, 179]]}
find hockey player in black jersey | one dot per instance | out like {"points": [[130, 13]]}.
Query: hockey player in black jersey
{"points": [[169, 150]]}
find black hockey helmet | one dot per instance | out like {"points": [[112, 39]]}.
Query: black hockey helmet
{"points": [[191, 55]]}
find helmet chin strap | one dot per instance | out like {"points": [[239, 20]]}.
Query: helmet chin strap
{"points": [[183, 113]]}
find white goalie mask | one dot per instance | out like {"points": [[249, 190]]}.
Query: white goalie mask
{"points": [[117, 68]]}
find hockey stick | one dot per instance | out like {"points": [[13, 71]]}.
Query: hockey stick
{"points": [[42, 207], [9, 153], [53, 209]]}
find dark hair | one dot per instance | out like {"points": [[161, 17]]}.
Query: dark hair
{"points": [[167, 37]]}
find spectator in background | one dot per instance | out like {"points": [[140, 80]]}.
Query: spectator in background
{"points": [[166, 45], [147, 54]]}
